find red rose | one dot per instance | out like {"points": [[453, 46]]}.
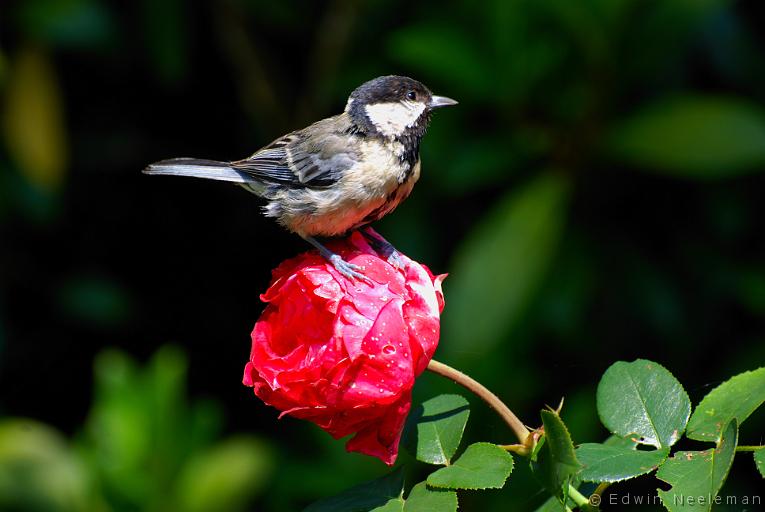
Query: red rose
{"points": [[344, 353]]}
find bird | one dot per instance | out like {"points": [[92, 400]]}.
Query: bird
{"points": [[339, 174]]}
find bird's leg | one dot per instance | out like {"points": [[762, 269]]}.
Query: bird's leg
{"points": [[384, 247], [349, 270]]}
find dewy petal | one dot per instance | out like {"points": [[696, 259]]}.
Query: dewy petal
{"points": [[381, 439], [343, 353]]}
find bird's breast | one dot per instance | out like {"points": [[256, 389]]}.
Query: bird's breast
{"points": [[370, 189]]}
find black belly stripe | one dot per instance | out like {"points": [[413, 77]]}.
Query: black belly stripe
{"points": [[410, 156]]}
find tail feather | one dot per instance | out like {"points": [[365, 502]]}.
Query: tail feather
{"points": [[198, 168]]}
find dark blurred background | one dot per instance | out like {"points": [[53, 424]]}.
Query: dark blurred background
{"points": [[596, 196]]}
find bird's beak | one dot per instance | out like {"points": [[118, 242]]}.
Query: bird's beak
{"points": [[441, 101]]}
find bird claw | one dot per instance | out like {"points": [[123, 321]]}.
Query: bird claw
{"points": [[395, 260], [385, 249], [349, 270]]}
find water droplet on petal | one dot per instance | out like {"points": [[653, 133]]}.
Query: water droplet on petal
{"points": [[389, 349]]}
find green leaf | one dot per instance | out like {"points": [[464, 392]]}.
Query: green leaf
{"points": [[737, 398], [759, 461], [434, 429], [696, 477], [381, 495], [482, 466], [553, 504], [557, 462], [695, 136], [422, 499], [629, 442], [643, 398], [396, 505], [499, 267], [603, 463], [140, 429], [118, 425], [40, 471], [226, 476]]}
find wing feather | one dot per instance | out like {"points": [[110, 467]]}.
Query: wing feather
{"points": [[298, 160]]}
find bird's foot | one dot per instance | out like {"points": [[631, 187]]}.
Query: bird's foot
{"points": [[385, 248], [349, 270], [395, 260]]}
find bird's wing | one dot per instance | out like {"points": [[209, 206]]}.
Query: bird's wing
{"points": [[313, 158]]}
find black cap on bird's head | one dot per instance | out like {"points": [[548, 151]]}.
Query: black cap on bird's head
{"points": [[393, 105]]}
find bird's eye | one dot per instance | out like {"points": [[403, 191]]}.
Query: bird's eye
{"points": [[411, 95]]}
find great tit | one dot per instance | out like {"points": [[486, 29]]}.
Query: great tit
{"points": [[339, 174]]}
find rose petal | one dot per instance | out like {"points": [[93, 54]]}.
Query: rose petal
{"points": [[344, 353], [381, 439]]}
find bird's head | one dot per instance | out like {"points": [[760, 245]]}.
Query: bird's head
{"points": [[393, 106]]}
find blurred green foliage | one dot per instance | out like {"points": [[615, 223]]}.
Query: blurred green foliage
{"points": [[143, 448], [596, 196]]}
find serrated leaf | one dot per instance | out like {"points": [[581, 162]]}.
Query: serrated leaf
{"points": [[737, 398], [695, 136], [643, 398], [557, 462], [629, 442], [482, 466], [603, 463], [759, 461], [500, 266], [422, 499], [381, 495], [696, 477], [434, 429]]}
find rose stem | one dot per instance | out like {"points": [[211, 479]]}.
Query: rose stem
{"points": [[742, 448], [581, 500], [484, 394], [601, 489]]}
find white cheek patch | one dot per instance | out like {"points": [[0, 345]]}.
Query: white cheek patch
{"points": [[392, 119]]}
